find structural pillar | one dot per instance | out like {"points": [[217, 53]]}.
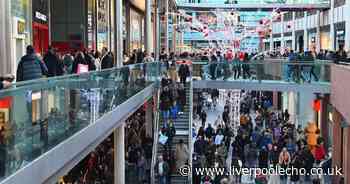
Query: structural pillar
{"points": [[174, 33], [166, 25], [347, 25], [271, 39], [294, 46], [119, 155], [337, 143], [282, 33], [318, 31], [305, 110], [158, 26], [292, 107], [306, 39], [148, 26], [331, 26], [149, 118], [118, 9]]}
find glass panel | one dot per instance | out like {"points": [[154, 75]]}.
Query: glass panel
{"points": [[38, 115], [283, 71]]}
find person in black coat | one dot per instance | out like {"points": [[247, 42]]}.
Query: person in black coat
{"points": [[200, 146], [209, 132], [184, 72], [263, 158], [30, 66], [203, 116], [54, 65], [107, 59]]}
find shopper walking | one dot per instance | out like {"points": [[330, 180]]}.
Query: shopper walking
{"points": [[184, 72], [30, 66], [181, 154], [106, 59], [54, 65]]}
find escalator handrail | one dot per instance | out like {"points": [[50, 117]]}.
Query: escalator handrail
{"points": [[155, 139]]}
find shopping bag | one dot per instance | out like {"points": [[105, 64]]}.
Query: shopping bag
{"points": [[163, 139], [83, 68]]}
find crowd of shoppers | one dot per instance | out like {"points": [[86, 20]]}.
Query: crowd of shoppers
{"points": [[263, 138], [172, 104]]}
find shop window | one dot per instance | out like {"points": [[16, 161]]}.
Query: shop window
{"points": [[288, 16], [311, 12], [338, 3], [299, 14]]}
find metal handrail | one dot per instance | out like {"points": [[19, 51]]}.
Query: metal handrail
{"points": [[190, 132], [155, 139]]}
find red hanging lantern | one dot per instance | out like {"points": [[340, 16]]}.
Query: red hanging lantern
{"points": [[317, 105]]}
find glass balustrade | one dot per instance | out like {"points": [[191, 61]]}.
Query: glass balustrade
{"points": [[265, 71], [35, 116]]}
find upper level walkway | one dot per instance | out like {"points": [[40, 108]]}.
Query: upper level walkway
{"points": [[267, 75], [52, 124]]}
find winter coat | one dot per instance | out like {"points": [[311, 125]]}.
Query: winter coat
{"points": [[200, 146], [184, 71], [30, 67], [107, 61], [182, 155], [54, 65]]}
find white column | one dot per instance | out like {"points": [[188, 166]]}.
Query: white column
{"points": [[166, 30], [119, 155], [306, 113], [347, 25], [271, 38], [119, 32], [282, 31], [148, 26], [318, 31], [292, 107], [331, 27], [174, 34], [294, 47], [306, 39]]}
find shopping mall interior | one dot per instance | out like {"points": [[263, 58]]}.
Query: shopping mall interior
{"points": [[174, 91]]}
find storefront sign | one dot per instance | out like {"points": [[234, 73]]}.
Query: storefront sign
{"points": [[341, 32], [40, 16], [102, 24], [40, 11]]}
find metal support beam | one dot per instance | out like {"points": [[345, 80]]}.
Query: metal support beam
{"points": [[118, 32], [148, 26]]}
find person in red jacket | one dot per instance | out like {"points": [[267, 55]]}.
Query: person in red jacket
{"points": [[320, 152]]}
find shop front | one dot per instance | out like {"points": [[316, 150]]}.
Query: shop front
{"points": [[339, 35], [21, 29], [40, 28], [325, 38], [136, 30], [103, 22], [312, 40]]}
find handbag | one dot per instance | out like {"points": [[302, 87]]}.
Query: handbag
{"points": [[83, 68], [163, 139]]}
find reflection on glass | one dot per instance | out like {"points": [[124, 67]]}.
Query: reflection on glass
{"points": [[35, 116]]}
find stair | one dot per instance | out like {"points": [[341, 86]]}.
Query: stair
{"points": [[182, 132]]}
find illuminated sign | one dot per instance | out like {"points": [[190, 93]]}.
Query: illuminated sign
{"points": [[41, 16]]}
